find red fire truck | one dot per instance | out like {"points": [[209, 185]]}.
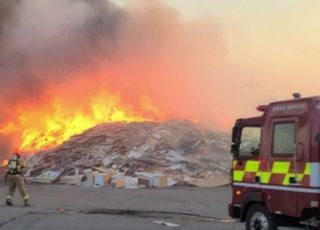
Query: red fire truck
{"points": [[276, 166]]}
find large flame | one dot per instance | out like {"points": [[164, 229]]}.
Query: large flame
{"points": [[48, 125]]}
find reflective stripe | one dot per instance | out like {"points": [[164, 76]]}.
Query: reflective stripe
{"points": [[238, 175], [286, 180], [280, 167], [252, 166], [300, 176], [307, 170], [264, 177], [280, 173], [281, 188]]}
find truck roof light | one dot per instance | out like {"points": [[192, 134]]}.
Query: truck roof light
{"points": [[262, 108], [296, 95]]}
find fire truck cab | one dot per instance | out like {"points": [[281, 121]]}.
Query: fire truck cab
{"points": [[275, 175]]}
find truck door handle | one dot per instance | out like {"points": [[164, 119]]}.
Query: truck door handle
{"points": [[257, 179], [292, 180]]}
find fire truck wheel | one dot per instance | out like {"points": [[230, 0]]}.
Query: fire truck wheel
{"points": [[259, 218]]}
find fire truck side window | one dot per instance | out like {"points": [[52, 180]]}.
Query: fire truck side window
{"points": [[284, 138], [250, 141]]}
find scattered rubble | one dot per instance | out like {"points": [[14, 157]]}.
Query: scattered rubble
{"points": [[47, 177], [134, 155], [168, 224]]}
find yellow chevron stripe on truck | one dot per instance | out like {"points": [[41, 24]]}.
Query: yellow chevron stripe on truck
{"points": [[279, 168]]}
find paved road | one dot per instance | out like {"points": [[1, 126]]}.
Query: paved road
{"points": [[69, 207]]}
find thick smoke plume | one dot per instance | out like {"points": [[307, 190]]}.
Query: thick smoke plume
{"points": [[71, 47]]}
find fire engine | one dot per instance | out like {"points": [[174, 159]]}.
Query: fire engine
{"points": [[275, 175]]}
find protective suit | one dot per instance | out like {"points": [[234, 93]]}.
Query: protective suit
{"points": [[15, 172]]}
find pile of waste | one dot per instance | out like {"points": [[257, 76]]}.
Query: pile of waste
{"points": [[135, 155]]}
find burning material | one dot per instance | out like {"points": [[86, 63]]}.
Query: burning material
{"points": [[154, 152], [46, 126]]}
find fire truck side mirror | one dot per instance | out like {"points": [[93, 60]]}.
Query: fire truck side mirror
{"points": [[235, 149], [236, 134], [236, 139]]}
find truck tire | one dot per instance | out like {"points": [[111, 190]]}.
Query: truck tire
{"points": [[259, 218]]}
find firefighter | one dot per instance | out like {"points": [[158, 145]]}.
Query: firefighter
{"points": [[14, 177]]}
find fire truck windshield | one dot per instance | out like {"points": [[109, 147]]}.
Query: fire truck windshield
{"points": [[250, 141]]}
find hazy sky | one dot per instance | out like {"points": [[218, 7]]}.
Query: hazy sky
{"points": [[274, 45]]}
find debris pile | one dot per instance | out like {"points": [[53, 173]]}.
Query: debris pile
{"points": [[133, 155]]}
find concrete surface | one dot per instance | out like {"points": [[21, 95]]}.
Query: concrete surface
{"points": [[69, 207]]}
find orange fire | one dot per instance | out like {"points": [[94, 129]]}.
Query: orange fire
{"points": [[48, 125]]}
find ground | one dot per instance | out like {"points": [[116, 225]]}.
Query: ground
{"points": [[70, 207]]}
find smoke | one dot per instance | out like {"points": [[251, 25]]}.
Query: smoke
{"points": [[140, 49], [44, 40]]}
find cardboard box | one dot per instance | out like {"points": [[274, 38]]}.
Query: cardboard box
{"points": [[160, 181], [120, 182], [144, 182], [72, 180], [102, 179], [163, 182], [107, 178]]}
